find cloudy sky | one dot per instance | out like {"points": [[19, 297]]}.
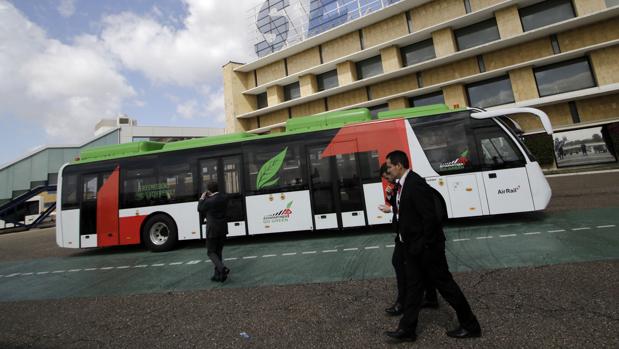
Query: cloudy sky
{"points": [[66, 64]]}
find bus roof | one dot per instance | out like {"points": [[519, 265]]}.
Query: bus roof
{"points": [[297, 125]]}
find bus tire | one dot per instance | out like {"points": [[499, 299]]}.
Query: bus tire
{"points": [[160, 233]]}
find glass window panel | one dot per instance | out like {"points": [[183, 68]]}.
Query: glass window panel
{"points": [[292, 91], [279, 173], [564, 77], [429, 99], [232, 170], [89, 188], [208, 171], [611, 3], [489, 93], [369, 67], [69, 190], [446, 144], [140, 188], [546, 13], [262, 101], [496, 149], [327, 80], [418, 52], [374, 110], [177, 182], [477, 34]]}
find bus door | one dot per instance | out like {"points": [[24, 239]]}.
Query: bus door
{"points": [[503, 171], [336, 189], [92, 203], [226, 171]]}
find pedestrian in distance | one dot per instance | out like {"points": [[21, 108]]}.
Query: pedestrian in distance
{"points": [[419, 212], [213, 206], [398, 257]]}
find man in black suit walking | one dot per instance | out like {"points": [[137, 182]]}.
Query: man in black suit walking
{"points": [[419, 211], [213, 206], [398, 258]]}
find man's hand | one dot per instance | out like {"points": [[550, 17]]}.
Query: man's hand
{"points": [[384, 208]]}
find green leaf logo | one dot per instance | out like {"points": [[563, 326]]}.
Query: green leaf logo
{"points": [[268, 171], [289, 204]]}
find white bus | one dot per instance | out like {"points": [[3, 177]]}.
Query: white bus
{"points": [[321, 173]]}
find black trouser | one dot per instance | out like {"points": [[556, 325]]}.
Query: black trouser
{"points": [[399, 264], [433, 262], [214, 248]]}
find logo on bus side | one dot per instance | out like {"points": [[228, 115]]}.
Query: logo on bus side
{"points": [[509, 190], [279, 217], [456, 164], [268, 172]]}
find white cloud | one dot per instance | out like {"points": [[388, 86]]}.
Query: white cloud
{"points": [[213, 33], [66, 8], [209, 106], [187, 110], [66, 89]]}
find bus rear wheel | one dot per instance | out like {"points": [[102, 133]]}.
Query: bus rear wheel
{"points": [[160, 233]]}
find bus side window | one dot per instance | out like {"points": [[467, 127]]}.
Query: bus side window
{"points": [[447, 145], [69, 191], [497, 150], [176, 182], [280, 164], [90, 187], [139, 187]]}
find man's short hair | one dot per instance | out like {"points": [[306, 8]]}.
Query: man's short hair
{"points": [[383, 169], [213, 187], [398, 157]]}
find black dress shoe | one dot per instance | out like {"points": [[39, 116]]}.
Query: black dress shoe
{"points": [[462, 332], [216, 278], [394, 310], [429, 304], [401, 336]]}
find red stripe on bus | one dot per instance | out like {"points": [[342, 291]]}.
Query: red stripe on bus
{"points": [[130, 229], [107, 211], [382, 136]]}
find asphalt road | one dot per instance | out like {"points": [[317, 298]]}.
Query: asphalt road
{"points": [[536, 280]]}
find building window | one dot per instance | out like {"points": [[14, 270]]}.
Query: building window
{"points": [[477, 34], [261, 100], [374, 110], [292, 91], [490, 92], [428, 99], [417, 52], [564, 77], [327, 80], [545, 13], [369, 67], [611, 3]]}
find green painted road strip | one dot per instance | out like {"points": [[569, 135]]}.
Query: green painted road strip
{"points": [[499, 242]]}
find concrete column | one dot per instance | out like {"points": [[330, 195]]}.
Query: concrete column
{"points": [[585, 7], [523, 84], [346, 72], [235, 102], [308, 85], [444, 42], [275, 95], [398, 103], [455, 96], [508, 21], [391, 58]]}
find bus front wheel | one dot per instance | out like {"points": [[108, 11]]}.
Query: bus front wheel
{"points": [[160, 233]]}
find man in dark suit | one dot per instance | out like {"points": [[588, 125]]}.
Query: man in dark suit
{"points": [[398, 258], [419, 226], [213, 206]]}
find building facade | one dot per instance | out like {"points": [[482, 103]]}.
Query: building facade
{"points": [[556, 55]]}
